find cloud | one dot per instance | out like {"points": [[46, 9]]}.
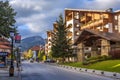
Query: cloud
{"points": [[37, 16], [101, 4]]}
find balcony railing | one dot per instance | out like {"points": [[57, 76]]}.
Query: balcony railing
{"points": [[85, 18], [94, 23]]}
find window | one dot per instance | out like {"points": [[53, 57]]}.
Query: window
{"points": [[70, 26], [77, 25], [49, 44], [115, 17], [77, 33], [116, 27], [76, 16], [49, 40], [107, 26]]}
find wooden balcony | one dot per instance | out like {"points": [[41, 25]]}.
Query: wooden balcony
{"points": [[69, 33], [85, 19], [94, 23]]}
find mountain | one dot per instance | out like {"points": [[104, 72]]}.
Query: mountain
{"points": [[31, 41]]}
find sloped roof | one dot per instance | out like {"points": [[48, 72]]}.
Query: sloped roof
{"points": [[115, 37], [5, 43], [3, 39], [35, 48], [4, 47], [86, 10]]}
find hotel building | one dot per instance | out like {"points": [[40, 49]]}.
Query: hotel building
{"points": [[94, 32]]}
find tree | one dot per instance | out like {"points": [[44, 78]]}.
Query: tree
{"points": [[7, 18], [40, 55], [30, 53], [61, 47]]}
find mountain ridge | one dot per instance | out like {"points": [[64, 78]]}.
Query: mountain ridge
{"points": [[29, 42]]}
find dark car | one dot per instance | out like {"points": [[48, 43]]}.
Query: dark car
{"points": [[31, 60], [49, 61]]}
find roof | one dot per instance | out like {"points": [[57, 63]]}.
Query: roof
{"points": [[4, 47], [82, 10], [5, 43], [115, 37], [35, 48], [3, 39]]}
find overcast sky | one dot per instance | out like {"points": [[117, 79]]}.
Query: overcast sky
{"points": [[35, 17]]}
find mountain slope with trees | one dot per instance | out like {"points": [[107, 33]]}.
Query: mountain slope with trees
{"points": [[31, 41]]}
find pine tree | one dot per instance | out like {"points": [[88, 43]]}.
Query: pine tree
{"points": [[60, 44], [7, 18]]}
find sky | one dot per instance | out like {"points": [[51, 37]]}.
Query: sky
{"points": [[35, 17]]}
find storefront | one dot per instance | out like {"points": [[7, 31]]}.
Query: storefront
{"points": [[3, 56]]}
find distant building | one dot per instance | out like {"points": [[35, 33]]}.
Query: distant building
{"points": [[48, 42], [36, 49]]}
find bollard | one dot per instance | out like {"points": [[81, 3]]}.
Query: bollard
{"points": [[114, 74], [102, 72], [80, 69], [86, 70], [93, 71]]}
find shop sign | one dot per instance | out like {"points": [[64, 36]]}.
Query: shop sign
{"points": [[3, 53]]}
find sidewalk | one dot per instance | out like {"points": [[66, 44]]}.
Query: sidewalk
{"points": [[4, 74]]}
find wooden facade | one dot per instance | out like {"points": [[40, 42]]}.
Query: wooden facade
{"points": [[95, 30]]}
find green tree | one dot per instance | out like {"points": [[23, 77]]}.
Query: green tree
{"points": [[30, 53], [40, 55], [61, 47], [7, 18]]}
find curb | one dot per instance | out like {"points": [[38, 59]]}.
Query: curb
{"points": [[93, 71]]}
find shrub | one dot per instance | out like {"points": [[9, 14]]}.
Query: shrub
{"points": [[92, 60], [85, 63]]}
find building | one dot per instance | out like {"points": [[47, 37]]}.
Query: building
{"points": [[36, 49], [94, 32], [5, 50], [48, 44]]}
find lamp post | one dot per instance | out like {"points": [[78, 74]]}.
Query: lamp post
{"points": [[11, 69], [19, 55], [17, 41]]}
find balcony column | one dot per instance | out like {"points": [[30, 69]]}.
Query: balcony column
{"points": [[105, 47], [80, 52], [94, 49]]}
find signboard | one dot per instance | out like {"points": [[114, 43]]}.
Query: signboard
{"points": [[17, 38], [2, 61], [3, 58], [3, 53]]}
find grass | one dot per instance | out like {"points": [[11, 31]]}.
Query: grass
{"points": [[109, 65]]}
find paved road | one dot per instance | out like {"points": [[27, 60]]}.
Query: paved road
{"points": [[40, 71]]}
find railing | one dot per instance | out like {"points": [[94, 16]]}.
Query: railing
{"points": [[94, 23], [85, 18]]}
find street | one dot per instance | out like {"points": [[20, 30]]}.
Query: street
{"points": [[41, 71]]}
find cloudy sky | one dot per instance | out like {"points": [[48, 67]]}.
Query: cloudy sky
{"points": [[35, 17]]}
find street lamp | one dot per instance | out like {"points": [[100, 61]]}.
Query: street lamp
{"points": [[11, 69], [19, 55]]}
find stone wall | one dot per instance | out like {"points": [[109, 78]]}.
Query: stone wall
{"points": [[80, 52], [105, 47]]}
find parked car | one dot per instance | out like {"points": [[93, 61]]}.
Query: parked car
{"points": [[49, 61], [31, 60]]}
